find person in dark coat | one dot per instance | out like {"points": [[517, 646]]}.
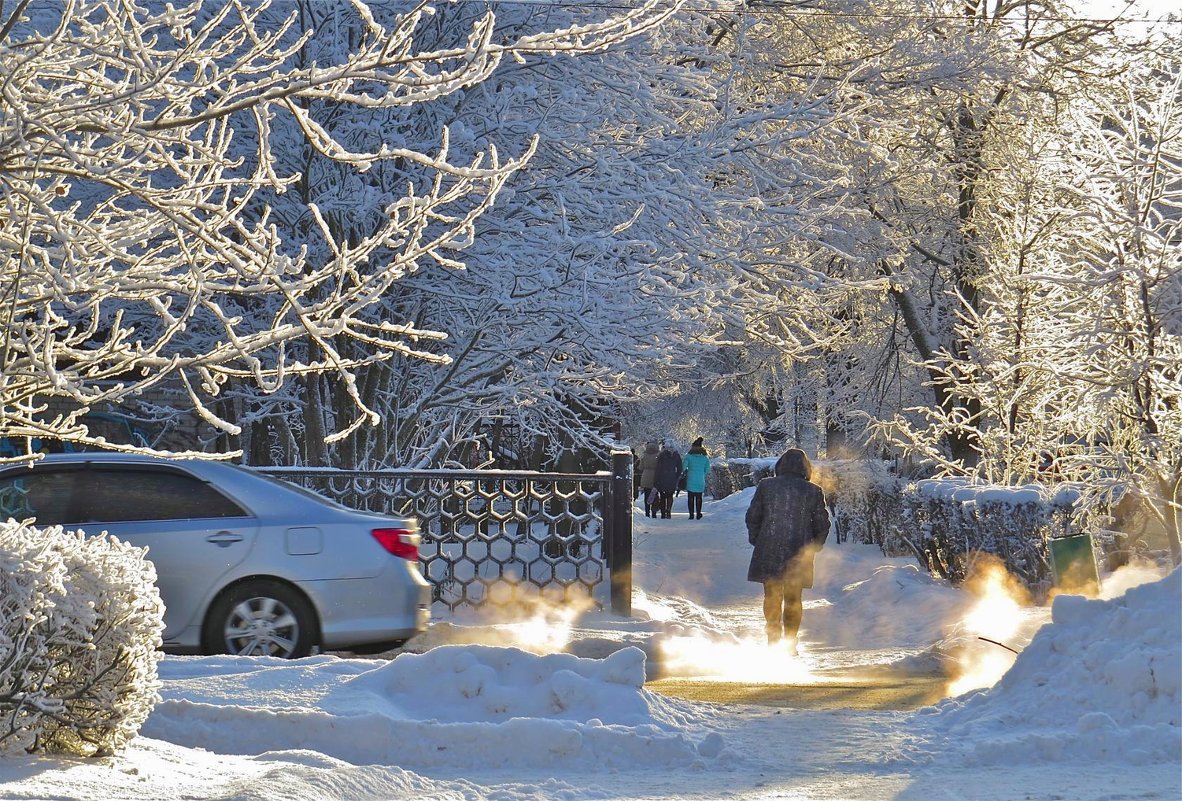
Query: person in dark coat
{"points": [[666, 478], [787, 523], [648, 475]]}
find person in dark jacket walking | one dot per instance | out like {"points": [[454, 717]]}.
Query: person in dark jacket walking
{"points": [[697, 465], [787, 523], [666, 478], [648, 475]]}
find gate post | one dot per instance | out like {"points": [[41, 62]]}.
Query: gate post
{"points": [[619, 550]]}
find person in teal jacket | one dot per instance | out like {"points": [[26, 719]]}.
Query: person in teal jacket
{"points": [[697, 465]]}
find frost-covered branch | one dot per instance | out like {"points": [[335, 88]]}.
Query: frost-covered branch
{"points": [[139, 181]]}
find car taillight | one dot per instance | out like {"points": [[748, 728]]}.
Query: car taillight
{"points": [[401, 542]]}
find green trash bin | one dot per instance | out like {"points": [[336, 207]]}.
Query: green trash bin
{"points": [[1073, 565]]}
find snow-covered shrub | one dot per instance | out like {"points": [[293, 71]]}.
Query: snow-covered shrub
{"points": [[726, 478], [946, 522], [80, 632]]}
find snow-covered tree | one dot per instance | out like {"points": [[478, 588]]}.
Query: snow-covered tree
{"points": [[1123, 384], [602, 264], [1076, 340], [137, 153], [915, 176]]}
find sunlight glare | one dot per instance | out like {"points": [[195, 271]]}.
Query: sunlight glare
{"points": [[731, 660], [547, 629], [656, 610], [993, 620]]}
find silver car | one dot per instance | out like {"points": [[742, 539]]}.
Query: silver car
{"points": [[246, 564]]}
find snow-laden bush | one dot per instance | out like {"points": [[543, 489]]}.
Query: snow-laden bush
{"points": [[946, 522], [80, 632]]}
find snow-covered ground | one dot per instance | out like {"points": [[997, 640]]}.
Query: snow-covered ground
{"points": [[1090, 709]]}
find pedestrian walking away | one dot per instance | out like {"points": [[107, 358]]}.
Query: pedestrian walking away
{"points": [[666, 478], [648, 474], [787, 523], [697, 465]]}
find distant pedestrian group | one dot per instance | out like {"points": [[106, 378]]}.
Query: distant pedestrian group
{"points": [[662, 474]]}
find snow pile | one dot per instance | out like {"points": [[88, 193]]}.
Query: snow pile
{"points": [[1102, 682], [491, 684], [896, 605], [452, 707]]}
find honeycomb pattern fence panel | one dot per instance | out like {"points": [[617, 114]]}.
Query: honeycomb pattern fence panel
{"points": [[505, 538]]}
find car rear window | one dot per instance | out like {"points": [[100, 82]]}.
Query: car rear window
{"points": [[308, 493], [112, 495]]}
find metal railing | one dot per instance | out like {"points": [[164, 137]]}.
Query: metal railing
{"points": [[502, 537]]}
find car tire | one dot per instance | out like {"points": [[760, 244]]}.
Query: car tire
{"points": [[261, 618]]}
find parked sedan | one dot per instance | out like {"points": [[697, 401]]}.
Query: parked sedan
{"points": [[246, 564]]}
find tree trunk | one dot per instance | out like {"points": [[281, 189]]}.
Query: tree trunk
{"points": [[1170, 492], [313, 416]]}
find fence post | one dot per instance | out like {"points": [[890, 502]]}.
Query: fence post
{"points": [[619, 551]]}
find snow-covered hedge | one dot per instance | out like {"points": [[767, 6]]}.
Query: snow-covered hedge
{"points": [[946, 521], [80, 632], [864, 497]]}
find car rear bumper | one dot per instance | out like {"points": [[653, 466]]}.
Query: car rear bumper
{"points": [[394, 605]]}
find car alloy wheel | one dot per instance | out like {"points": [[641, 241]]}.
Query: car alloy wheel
{"points": [[262, 619]]}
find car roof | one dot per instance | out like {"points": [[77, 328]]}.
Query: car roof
{"points": [[112, 456]]}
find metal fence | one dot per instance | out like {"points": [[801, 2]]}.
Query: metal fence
{"points": [[502, 537]]}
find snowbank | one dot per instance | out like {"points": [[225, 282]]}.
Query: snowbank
{"points": [[452, 707], [896, 604], [1100, 683]]}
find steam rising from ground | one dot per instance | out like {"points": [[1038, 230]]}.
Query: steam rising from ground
{"points": [[995, 621], [893, 617], [720, 658], [1129, 576], [1002, 620], [532, 623], [705, 644]]}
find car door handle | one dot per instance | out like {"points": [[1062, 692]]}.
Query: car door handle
{"points": [[224, 539]]}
